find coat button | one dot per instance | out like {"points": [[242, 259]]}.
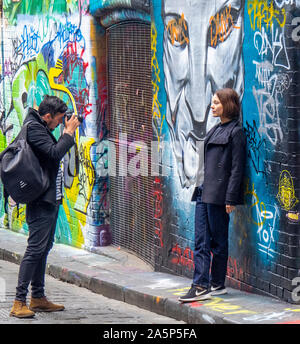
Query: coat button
{"points": [[219, 165], [219, 180]]}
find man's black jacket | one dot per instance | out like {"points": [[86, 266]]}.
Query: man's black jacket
{"points": [[224, 165], [48, 150]]}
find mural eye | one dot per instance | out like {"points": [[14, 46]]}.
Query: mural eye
{"points": [[178, 33], [221, 25], [24, 99]]}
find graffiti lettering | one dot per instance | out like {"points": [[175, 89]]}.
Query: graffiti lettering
{"points": [[263, 12], [296, 31], [265, 218], [86, 176], [30, 40], [178, 30], [185, 258], [256, 147], [268, 113], [275, 46], [68, 32], [221, 26], [218, 305], [158, 120]]}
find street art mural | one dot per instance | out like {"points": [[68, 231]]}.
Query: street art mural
{"points": [[250, 46], [47, 50], [190, 53], [196, 48]]}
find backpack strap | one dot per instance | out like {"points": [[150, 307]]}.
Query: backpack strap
{"points": [[5, 195]]}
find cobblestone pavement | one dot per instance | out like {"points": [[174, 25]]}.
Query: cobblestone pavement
{"points": [[82, 306]]}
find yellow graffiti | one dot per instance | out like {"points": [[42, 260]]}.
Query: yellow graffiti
{"points": [[18, 217], [286, 193], [219, 305], [263, 12], [86, 175], [55, 73], [256, 203], [179, 291], [294, 217], [74, 220], [79, 194], [156, 105], [292, 309]]}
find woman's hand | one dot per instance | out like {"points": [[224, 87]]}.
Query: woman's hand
{"points": [[229, 208]]}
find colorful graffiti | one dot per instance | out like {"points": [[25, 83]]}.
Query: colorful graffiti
{"points": [[196, 48], [247, 45], [194, 70], [47, 53]]}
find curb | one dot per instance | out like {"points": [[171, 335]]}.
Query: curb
{"points": [[156, 304], [153, 303], [118, 275]]}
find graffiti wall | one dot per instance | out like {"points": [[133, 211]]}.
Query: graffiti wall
{"points": [[253, 47], [266, 228], [197, 47], [56, 48]]}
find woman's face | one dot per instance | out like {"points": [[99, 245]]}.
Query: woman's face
{"points": [[216, 106]]}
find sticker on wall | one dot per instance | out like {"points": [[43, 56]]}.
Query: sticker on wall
{"points": [[293, 217], [286, 192]]}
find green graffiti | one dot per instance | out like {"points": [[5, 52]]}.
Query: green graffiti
{"points": [[33, 7], [29, 86]]}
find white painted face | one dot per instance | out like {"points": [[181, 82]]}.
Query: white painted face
{"points": [[202, 53]]}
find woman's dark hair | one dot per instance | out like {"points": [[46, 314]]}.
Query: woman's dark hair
{"points": [[52, 105], [230, 101]]}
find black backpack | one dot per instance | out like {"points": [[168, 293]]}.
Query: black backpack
{"points": [[21, 173]]}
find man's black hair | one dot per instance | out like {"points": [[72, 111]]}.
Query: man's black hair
{"points": [[52, 105]]}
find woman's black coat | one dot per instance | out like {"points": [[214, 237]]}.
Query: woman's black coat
{"points": [[224, 165]]}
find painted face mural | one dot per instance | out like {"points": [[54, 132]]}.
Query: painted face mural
{"points": [[202, 53]]}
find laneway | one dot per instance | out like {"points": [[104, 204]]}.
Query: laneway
{"points": [[82, 306]]}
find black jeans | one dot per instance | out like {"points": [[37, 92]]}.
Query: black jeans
{"points": [[41, 219], [211, 237]]}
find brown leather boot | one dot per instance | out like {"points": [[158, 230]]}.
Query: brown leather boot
{"points": [[20, 310], [43, 305]]}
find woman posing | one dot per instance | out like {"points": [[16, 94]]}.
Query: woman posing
{"points": [[216, 198]]}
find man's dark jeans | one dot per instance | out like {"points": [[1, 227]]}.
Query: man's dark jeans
{"points": [[211, 236], [41, 219]]}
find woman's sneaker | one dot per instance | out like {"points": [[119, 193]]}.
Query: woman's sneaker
{"points": [[196, 294], [219, 290]]}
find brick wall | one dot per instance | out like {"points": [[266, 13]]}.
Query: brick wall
{"points": [[259, 50]]}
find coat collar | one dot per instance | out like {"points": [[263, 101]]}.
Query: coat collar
{"points": [[33, 115], [224, 135]]}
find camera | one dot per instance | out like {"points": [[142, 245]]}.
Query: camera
{"points": [[68, 114]]}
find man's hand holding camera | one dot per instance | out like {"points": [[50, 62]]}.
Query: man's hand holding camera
{"points": [[71, 125]]}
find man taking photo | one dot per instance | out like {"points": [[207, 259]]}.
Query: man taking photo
{"points": [[41, 214]]}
